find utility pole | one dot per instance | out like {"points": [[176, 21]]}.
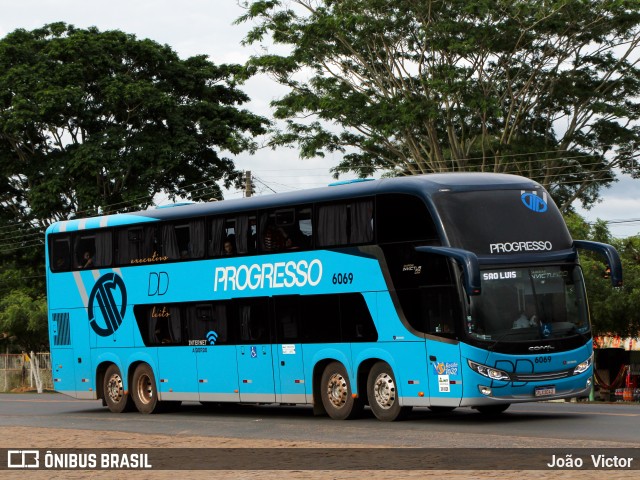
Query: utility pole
{"points": [[247, 189]]}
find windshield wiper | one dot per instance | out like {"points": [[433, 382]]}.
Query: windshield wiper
{"points": [[518, 331]]}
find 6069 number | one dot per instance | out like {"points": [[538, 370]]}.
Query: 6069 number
{"points": [[342, 278]]}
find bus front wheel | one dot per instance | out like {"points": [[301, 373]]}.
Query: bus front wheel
{"points": [[336, 393], [144, 391], [383, 395], [115, 396]]}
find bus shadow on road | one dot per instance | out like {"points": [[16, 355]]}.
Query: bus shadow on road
{"points": [[459, 415]]}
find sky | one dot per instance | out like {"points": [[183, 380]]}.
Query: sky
{"points": [[196, 27]]}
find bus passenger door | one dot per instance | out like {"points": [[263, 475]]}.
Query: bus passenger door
{"points": [[442, 314], [62, 354], [444, 372], [176, 375], [176, 371], [289, 370], [254, 352], [212, 343]]}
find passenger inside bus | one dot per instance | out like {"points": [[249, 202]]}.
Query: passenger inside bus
{"points": [[87, 260], [527, 318], [274, 239], [229, 248]]}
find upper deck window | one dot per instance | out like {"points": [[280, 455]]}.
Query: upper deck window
{"points": [[285, 229], [403, 218], [137, 245], [345, 223], [60, 253], [93, 250], [183, 240]]}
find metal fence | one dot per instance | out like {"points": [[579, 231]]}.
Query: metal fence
{"points": [[25, 371]]}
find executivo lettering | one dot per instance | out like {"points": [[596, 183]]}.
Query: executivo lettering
{"points": [[268, 275], [532, 246]]}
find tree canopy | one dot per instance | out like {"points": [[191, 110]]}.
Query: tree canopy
{"points": [[546, 89], [613, 310], [95, 121], [100, 122]]}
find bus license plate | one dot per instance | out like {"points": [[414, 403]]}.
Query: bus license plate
{"points": [[544, 391]]}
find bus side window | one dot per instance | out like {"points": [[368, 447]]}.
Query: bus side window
{"points": [[183, 241], [304, 228], [159, 324], [332, 225], [345, 223], [321, 318], [403, 218], [60, 255], [442, 308], [243, 234], [357, 322], [209, 322], [253, 320], [287, 319], [137, 245], [84, 251], [216, 234], [361, 222], [171, 332], [285, 229]]}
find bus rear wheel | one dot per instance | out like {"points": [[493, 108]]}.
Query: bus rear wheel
{"points": [[144, 391], [115, 396], [336, 393], [382, 393]]}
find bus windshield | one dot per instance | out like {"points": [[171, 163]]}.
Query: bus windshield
{"points": [[528, 304]]}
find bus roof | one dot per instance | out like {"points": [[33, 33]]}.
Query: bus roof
{"points": [[422, 185]]}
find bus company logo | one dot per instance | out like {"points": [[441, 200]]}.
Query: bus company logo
{"points": [[102, 294], [533, 202], [268, 275]]}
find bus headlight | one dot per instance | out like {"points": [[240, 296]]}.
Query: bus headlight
{"points": [[584, 366], [489, 372]]}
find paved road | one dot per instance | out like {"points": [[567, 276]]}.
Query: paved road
{"points": [[577, 424]]}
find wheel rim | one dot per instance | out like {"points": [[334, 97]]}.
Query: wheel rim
{"points": [[145, 389], [384, 391], [337, 390], [115, 389]]}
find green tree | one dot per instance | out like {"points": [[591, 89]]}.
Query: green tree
{"points": [[544, 89], [100, 122], [94, 122], [23, 321], [613, 310]]}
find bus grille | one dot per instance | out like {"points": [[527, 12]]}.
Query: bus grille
{"points": [[538, 377]]}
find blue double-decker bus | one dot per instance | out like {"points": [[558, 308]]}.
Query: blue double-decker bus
{"points": [[439, 291]]}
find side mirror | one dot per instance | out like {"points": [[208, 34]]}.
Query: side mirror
{"points": [[614, 265]]}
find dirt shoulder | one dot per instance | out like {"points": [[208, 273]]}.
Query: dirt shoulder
{"points": [[43, 438]]}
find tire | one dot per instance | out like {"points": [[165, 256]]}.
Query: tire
{"points": [[116, 398], [144, 391], [382, 393], [336, 393], [493, 409]]}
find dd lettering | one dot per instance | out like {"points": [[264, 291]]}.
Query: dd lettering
{"points": [[158, 283]]}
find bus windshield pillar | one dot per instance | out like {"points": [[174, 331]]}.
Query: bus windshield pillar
{"points": [[467, 260]]}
